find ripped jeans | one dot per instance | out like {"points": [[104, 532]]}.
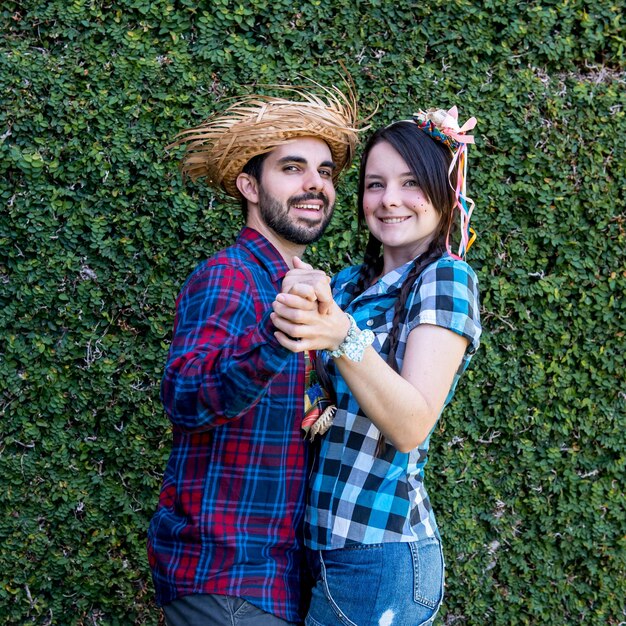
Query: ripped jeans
{"points": [[386, 584]]}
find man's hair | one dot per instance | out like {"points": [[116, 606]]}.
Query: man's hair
{"points": [[254, 168]]}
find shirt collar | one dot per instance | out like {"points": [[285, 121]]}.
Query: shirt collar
{"points": [[395, 278], [390, 281], [267, 255]]}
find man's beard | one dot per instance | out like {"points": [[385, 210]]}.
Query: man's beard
{"points": [[276, 216]]}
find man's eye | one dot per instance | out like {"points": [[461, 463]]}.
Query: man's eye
{"points": [[326, 173]]}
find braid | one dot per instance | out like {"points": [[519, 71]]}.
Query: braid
{"points": [[436, 248], [372, 265], [434, 251]]}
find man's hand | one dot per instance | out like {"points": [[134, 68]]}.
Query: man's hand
{"points": [[300, 326], [313, 285]]}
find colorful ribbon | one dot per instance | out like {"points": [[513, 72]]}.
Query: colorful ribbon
{"points": [[443, 126], [319, 411]]}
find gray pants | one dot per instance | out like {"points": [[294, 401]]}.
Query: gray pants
{"points": [[210, 609]]}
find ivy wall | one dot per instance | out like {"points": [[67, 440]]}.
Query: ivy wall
{"points": [[97, 233]]}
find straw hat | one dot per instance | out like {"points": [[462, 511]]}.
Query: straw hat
{"points": [[219, 148]]}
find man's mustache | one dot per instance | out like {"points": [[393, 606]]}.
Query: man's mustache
{"points": [[310, 196]]}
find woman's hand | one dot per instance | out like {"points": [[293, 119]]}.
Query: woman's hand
{"points": [[300, 324]]}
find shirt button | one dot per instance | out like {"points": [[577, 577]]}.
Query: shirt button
{"points": [[370, 322]]}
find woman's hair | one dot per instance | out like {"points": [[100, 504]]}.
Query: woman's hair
{"points": [[429, 162]]}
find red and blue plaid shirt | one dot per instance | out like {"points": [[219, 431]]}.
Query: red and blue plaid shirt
{"points": [[230, 513]]}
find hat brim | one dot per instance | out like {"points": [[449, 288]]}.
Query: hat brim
{"points": [[218, 149]]}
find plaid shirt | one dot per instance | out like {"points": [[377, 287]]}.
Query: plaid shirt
{"points": [[356, 497], [230, 513]]}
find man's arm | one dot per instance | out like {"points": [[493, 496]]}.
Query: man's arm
{"points": [[223, 354]]}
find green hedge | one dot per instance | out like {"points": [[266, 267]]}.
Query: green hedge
{"points": [[97, 234]]}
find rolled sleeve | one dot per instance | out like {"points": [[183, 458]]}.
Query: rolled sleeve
{"points": [[446, 295]]}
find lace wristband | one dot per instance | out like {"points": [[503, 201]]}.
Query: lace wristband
{"points": [[353, 346]]}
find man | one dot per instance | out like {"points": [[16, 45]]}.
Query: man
{"points": [[225, 543]]}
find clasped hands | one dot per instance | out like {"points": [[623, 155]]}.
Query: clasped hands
{"points": [[305, 315]]}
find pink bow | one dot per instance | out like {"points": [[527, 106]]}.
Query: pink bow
{"points": [[458, 135]]}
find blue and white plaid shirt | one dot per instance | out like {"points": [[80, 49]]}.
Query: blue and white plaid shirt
{"points": [[356, 497]]}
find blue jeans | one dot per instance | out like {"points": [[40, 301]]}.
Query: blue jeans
{"points": [[388, 584]]}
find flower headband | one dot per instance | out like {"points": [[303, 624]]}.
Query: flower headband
{"points": [[443, 126]]}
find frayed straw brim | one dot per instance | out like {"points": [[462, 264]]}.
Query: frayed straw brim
{"points": [[218, 149]]}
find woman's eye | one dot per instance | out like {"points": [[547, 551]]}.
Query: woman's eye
{"points": [[411, 183], [374, 186]]}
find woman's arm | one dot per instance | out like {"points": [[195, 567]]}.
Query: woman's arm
{"points": [[404, 406]]}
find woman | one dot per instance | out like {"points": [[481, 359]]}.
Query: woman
{"points": [[400, 331]]}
